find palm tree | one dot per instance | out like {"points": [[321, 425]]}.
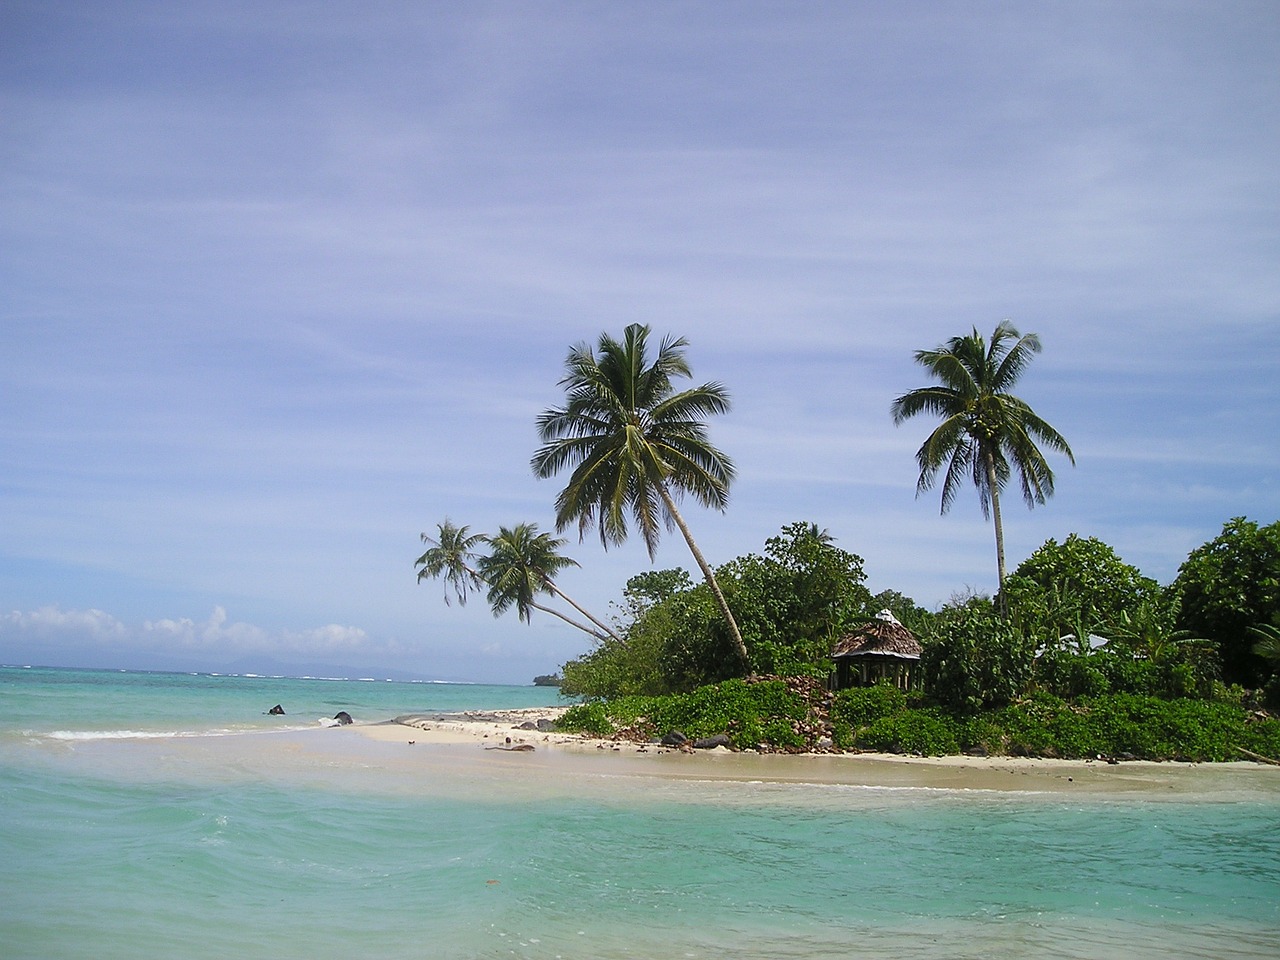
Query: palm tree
{"points": [[523, 564], [986, 433], [635, 445], [448, 557]]}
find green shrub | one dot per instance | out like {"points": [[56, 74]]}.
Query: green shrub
{"points": [[879, 718], [591, 718], [1261, 737], [1043, 725], [860, 706], [911, 731], [1165, 729], [750, 713], [842, 735], [980, 733], [1068, 674], [974, 660], [780, 733]]}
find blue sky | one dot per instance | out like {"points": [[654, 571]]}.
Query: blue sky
{"points": [[286, 284]]}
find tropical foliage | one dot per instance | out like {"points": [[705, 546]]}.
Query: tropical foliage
{"points": [[1078, 587], [973, 659], [987, 434], [1228, 586], [777, 715], [791, 602]]}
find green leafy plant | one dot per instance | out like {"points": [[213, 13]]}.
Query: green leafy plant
{"points": [[974, 659]]}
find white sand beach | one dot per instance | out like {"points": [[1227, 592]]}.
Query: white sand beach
{"points": [[507, 732]]}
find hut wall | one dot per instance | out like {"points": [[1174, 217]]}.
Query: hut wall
{"points": [[868, 671]]}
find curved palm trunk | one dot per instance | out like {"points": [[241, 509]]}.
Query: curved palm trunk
{"points": [[569, 620], [707, 575], [569, 600], [995, 516]]}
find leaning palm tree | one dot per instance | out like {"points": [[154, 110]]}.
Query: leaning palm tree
{"points": [[521, 565], [449, 557], [635, 445], [986, 433]]}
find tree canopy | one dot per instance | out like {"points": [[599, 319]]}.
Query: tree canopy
{"points": [[1229, 585], [634, 444], [987, 434]]}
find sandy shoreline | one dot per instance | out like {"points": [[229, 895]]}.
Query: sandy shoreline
{"points": [[500, 734]]}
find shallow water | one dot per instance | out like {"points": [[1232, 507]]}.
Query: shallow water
{"points": [[322, 844]]}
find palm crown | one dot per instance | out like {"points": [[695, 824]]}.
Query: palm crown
{"points": [[635, 444], [449, 556], [627, 433], [521, 563], [987, 434]]}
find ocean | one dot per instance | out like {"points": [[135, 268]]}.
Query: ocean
{"points": [[150, 815]]}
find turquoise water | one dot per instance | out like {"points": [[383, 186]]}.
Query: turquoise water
{"points": [[282, 842], [91, 703]]}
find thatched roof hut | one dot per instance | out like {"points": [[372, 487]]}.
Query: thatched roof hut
{"points": [[880, 649]]}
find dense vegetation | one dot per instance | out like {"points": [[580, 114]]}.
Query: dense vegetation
{"points": [[1093, 658]]}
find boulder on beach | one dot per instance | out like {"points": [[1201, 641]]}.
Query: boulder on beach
{"points": [[342, 717], [710, 743]]}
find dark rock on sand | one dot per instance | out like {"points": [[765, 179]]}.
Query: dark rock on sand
{"points": [[542, 726], [674, 739], [517, 748], [342, 717], [710, 743]]}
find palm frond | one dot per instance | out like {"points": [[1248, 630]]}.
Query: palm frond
{"points": [[986, 434]]}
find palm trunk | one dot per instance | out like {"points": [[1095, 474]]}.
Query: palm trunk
{"points": [[569, 600], [708, 575], [995, 517], [569, 620]]}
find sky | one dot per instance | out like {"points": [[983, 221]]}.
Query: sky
{"points": [[284, 285]]}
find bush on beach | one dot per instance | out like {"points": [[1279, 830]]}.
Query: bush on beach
{"points": [[777, 716], [1033, 681]]}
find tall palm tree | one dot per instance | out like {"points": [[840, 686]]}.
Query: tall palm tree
{"points": [[986, 433], [635, 445], [449, 557], [521, 565]]}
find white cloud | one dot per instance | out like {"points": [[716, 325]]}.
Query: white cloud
{"points": [[52, 623], [217, 635]]}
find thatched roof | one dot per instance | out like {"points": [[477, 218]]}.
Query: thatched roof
{"points": [[882, 637]]}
